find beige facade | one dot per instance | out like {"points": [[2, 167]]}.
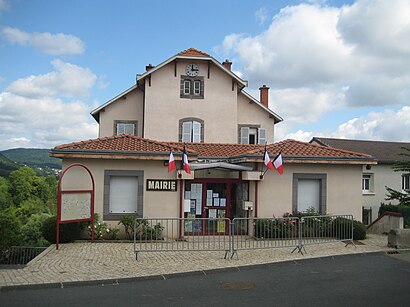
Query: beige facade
{"points": [[157, 106], [382, 175]]}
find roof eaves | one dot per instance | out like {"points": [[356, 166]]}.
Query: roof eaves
{"points": [[278, 118]]}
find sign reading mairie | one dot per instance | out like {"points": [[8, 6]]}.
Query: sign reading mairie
{"points": [[161, 185]]}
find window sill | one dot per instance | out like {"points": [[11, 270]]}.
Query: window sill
{"points": [[368, 193]]}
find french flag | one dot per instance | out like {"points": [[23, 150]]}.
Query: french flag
{"points": [[267, 160], [278, 163], [185, 163], [171, 163]]}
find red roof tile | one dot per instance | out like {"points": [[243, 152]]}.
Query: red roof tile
{"points": [[193, 52], [288, 148]]}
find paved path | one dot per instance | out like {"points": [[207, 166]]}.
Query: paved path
{"points": [[93, 262]]}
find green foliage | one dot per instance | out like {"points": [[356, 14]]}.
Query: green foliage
{"points": [[32, 231], [276, 228], [32, 157], [402, 198], [400, 166], [9, 230], [21, 184], [100, 229], [7, 166], [144, 231], [403, 209], [128, 222], [342, 227], [68, 232], [404, 164], [5, 197]]}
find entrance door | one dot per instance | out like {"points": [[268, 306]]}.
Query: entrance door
{"points": [[216, 206]]}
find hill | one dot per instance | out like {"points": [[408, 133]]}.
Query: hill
{"points": [[38, 159], [7, 166]]}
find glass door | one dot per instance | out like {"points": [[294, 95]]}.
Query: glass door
{"points": [[216, 207]]}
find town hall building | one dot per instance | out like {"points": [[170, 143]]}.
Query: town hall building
{"points": [[193, 101]]}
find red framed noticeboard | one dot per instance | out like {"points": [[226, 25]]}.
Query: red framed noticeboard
{"points": [[75, 205]]}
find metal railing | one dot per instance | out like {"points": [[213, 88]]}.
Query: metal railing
{"points": [[182, 234], [222, 234], [19, 254]]}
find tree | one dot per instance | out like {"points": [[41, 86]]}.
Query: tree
{"points": [[21, 184], [5, 197], [400, 166]]}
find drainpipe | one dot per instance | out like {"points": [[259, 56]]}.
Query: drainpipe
{"points": [[256, 198], [181, 209]]}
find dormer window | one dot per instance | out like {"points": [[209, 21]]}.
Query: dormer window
{"points": [[192, 87]]}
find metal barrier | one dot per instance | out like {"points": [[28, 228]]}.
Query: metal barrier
{"points": [[264, 233], [221, 234], [182, 234], [19, 254]]}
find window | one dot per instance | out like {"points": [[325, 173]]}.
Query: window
{"points": [[123, 193], [309, 193], [252, 135], [405, 182], [125, 127], [367, 183], [191, 130], [192, 88]]}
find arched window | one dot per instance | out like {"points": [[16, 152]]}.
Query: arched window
{"points": [[191, 130]]}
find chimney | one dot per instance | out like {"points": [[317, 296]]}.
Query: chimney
{"points": [[264, 94], [149, 67], [227, 64]]}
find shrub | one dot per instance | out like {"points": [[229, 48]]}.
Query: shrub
{"points": [[68, 232], [342, 227], [9, 230], [100, 229], [128, 222], [147, 232], [276, 228]]}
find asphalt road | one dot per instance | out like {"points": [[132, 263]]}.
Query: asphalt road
{"points": [[356, 280]]}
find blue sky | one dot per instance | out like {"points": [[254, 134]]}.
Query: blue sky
{"points": [[334, 68]]}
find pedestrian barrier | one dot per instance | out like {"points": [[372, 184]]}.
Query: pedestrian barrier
{"points": [[222, 234], [182, 234], [19, 254]]}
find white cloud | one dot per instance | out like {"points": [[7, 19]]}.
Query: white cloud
{"points": [[42, 122], [388, 125], [54, 44], [33, 112], [4, 5], [67, 80], [261, 15], [318, 58]]}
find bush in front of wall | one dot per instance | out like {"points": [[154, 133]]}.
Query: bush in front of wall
{"points": [[342, 227], [68, 232]]}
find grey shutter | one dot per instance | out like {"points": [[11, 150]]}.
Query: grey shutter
{"points": [[244, 135], [262, 136], [186, 131], [123, 194], [196, 131]]}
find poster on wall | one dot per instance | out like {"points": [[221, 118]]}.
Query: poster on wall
{"points": [[75, 206]]}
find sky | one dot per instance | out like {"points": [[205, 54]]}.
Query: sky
{"points": [[334, 68]]}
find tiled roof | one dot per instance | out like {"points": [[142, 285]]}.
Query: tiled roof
{"points": [[290, 149], [387, 152], [193, 52]]}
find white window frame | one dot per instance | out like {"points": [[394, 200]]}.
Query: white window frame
{"points": [[260, 135], [405, 183], [367, 183], [187, 87], [197, 87], [191, 131], [125, 127]]}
